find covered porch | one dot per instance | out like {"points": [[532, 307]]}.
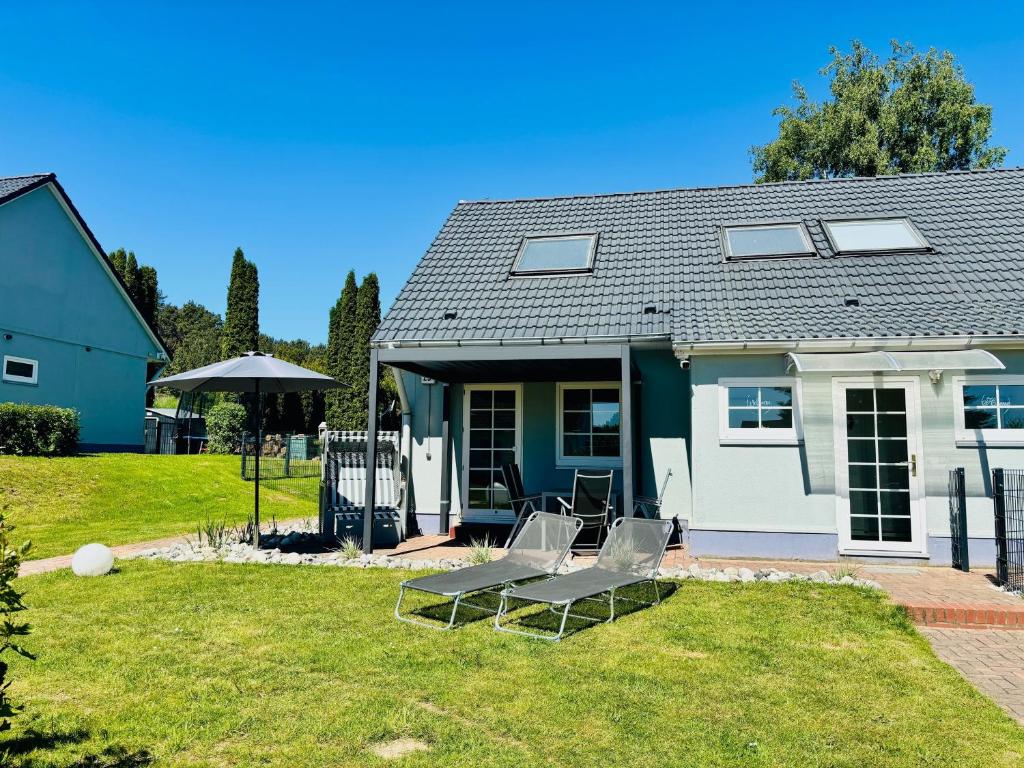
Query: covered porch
{"points": [[550, 408]]}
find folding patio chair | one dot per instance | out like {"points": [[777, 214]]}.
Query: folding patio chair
{"points": [[648, 506], [522, 503], [538, 550], [631, 555], [591, 503]]}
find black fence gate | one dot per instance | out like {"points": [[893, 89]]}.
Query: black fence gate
{"points": [[1008, 497], [958, 519]]}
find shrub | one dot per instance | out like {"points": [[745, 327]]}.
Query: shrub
{"points": [[38, 430], [225, 425], [11, 631]]}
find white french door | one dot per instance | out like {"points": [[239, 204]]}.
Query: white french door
{"points": [[491, 436], [879, 472]]}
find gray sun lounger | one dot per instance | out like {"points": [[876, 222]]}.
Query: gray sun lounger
{"points": [[538, 550], [631, 554]]}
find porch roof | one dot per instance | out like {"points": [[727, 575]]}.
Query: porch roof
{"points": [[490, 363]]}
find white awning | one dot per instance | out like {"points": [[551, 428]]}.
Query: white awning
{"points": [[870, 362]]}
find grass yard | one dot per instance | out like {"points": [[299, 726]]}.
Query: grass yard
{"points": [[215, 665], [120, 498]]}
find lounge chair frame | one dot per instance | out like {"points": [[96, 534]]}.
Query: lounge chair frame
{"points": [[498, 587], [562, 607]]}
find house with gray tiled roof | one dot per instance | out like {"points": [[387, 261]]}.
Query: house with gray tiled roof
{"points": [[795, 367], [69, 333]]}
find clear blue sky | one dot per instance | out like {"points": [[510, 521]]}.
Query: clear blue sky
{"points": [[322, 138]]}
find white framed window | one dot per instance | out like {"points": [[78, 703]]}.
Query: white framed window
{"points": [[20, 370], [555, 255], [589, 418], [989, 410], [759, 411], [763, 241], [872, 235]]}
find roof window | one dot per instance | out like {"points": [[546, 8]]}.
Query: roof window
{"points": [[555, 255], [874, 235], [756, 241]]}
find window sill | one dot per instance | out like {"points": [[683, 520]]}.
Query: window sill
{"points": [[990, 442], [21, 383], [592, 462], [759, 440]]}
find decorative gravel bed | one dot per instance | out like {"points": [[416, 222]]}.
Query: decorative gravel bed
{"points": [[298, 546]]}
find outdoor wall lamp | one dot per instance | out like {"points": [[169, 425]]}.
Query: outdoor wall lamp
{"points": [[8, 337]]}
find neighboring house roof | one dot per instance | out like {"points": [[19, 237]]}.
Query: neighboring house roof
{"points": [[663, 250], [12, 187]]}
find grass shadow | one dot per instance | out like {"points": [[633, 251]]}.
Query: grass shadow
{"points": [[29, 749], [544, 620], [474, 607], [32, 740]]}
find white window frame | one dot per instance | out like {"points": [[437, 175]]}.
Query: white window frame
{"points": [[807, 251], [991, 437], [563, 461], [760, 435], [15, 379], [921, 247], [586, 270]]}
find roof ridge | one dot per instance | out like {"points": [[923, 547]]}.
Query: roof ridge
{"points": [[28, 176], [747, 185]]}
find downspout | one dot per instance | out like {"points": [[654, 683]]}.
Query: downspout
{"points": [[405, 448]]}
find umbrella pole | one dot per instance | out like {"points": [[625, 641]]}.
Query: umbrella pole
{"points": [[259, 450]]}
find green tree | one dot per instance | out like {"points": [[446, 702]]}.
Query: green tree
{"points": [[341, 328], [139, 281], [241, 320], [912, 113], [192, 335], [357, 398], [11, 631]]}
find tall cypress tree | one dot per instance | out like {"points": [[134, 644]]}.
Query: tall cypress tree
{"points": [[340, 333], [241, 320], [367, 320], [140, 282]]}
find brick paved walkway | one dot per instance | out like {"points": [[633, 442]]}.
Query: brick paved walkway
{"points": [[991, 659]]}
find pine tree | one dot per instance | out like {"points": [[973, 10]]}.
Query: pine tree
{"points": [[340, 333], [241, 319]]}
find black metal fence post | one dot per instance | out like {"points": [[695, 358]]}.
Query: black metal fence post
{"points": [[999, 501], [244, 437], [958, 520]]}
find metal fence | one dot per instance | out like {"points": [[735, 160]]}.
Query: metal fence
{"points": [[289, 464], [958, 519], [1008, 497]]}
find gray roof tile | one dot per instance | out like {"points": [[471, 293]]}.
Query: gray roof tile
{"points": [[663, 248]]}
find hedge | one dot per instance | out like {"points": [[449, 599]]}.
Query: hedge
{"points": [[38, 430]]}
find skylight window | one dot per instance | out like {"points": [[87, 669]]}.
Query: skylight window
{"points": [[564, 254], [868, 235], [766, 241]]}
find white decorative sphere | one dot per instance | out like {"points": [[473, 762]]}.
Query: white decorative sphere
{"points": [[92, 560]]}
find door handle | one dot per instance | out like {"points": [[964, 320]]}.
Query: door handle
{"points": [[913, 465]]}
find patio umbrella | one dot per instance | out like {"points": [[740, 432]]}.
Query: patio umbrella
{"points": [[256, 372]]}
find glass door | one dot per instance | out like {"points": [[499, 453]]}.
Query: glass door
{"points": [[878, 476], [491, 438]]}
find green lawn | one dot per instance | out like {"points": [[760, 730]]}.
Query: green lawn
{"points": [[113, 498], [215, 665]]}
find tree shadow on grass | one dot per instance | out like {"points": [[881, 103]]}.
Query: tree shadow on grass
{"points": [[28, 749], [546, 620]]}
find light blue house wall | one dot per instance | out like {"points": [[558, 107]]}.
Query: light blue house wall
{"points": [[61, 306], [780, 500]]}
